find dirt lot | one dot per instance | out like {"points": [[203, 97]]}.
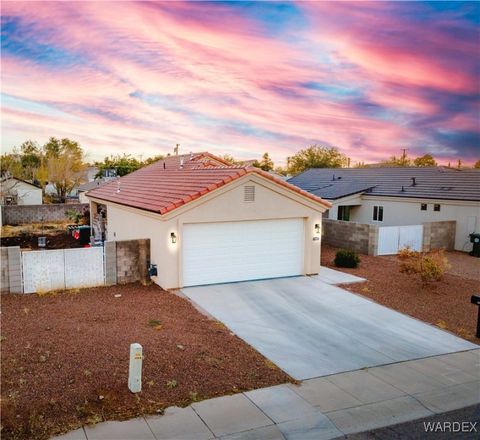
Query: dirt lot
{"points": [[445, 303], [65, 358], [26, 236]]}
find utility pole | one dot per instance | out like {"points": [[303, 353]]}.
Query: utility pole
{"points": [[404, 156]]}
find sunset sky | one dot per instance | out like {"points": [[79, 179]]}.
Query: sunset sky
{"points": [[244, 78]]}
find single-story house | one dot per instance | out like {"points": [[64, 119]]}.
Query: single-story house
{"points": [[84, 188], [398, 196], [87, 175], [209, 222], [15, 191]]}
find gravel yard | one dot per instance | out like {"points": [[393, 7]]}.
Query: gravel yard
{"points": [[445, 304], [464, 265], [65, 358], [26, 236]]}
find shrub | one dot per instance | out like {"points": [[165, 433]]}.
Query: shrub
{"points": [[73, 216], [346, 258], [171, 384], [406, 252], [429, 266]]}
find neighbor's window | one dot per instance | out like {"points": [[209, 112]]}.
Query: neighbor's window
{"points": [[378, 213], [436, 207], [423, 206], [343, 213]]}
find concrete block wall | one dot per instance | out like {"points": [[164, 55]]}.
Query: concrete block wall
{"points": [[110, 263], [360, 237], [4, 278], [439, 235], [12, 269], [21, 214], [127, 261]]}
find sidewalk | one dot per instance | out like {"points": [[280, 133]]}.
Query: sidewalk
{"points": [[322, 408]]}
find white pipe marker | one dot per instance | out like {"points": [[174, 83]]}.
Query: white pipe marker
{"points": [[135, 368]]}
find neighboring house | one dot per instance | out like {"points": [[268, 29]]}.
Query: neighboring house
{"points": [[396, 196], [82, 189], [209, 222], [88, 175], [15, 191]]}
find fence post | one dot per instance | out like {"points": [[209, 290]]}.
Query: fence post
{"points": [[373, 240], [110, 248], [15, 269]]}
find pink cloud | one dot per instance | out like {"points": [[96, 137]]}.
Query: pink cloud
{"points": [[150, 75]]}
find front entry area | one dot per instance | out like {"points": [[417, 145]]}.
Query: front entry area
{"points": [[310, 328], [238, 251]]}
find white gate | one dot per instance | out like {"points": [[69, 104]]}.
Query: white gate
{"points": [[393, 238], [84, 267], [62, 269], [43, 271]]}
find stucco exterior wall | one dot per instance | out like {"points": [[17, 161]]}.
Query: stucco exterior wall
{"points": [[82, 198], [222, 205], [354, 200], [407, 212], [25, 193]]}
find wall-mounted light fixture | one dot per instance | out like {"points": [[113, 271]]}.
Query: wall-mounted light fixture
{"points": [[317, 228], [173, 237]]}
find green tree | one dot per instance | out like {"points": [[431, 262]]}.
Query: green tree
{"points": [[30, 157], [150, 160], [53, 147], [230, 159], [124, 164], [266, 164], [426, 160], [64, 165], [11, 165], [477, 164], [394, 161], [316, 157], [41, 173], [281, 171]]}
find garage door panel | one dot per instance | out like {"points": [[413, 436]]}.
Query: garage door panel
{"points": [[238, 251]]}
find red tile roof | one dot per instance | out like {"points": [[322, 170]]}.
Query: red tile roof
{"points": [[191, 160], [165, 185]]}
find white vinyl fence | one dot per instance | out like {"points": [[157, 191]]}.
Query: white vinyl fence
{"points": [[62, 269], [393, 238]]}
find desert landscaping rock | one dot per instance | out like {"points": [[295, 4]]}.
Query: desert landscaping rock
{"points": [[86, 354], [445, 304]]}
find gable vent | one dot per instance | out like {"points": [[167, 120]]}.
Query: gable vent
{"points": [[249, 193]]}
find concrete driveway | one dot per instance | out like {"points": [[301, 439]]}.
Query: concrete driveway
{"points": [[310, 328]]}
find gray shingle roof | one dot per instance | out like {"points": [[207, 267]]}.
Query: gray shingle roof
{"points": [[93, 184], [430, 183]]}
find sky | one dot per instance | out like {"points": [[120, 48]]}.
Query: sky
{"points": [[243, 78]]}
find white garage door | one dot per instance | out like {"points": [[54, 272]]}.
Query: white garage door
{"points": [[239, 251]]}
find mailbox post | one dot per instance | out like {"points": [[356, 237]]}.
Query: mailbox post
{"points": [[135, 368], [476, 300]]}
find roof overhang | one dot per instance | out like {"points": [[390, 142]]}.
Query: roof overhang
{"points": [[282, 187]]}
